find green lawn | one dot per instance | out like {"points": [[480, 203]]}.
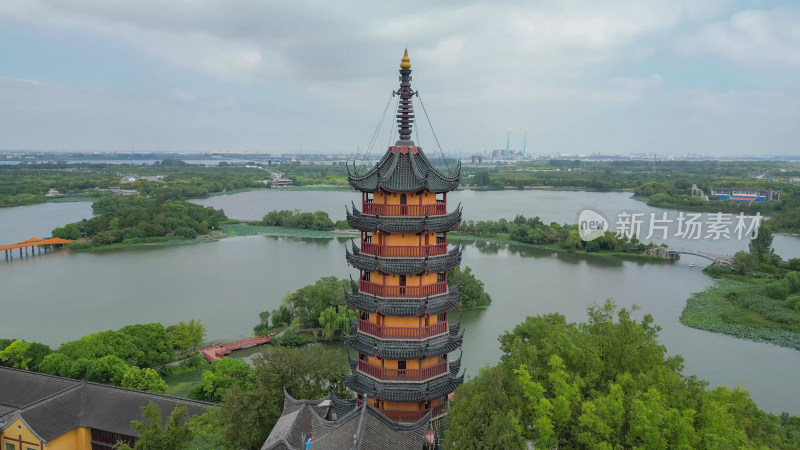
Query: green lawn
{"points": [[180, 384]]}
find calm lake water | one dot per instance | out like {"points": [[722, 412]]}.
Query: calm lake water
{"points": [[225, 284]]}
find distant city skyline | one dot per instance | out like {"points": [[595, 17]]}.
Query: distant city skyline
{"points": [[717, 77]]}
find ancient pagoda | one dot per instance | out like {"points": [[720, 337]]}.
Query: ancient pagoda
{"points": [[403, 335]]}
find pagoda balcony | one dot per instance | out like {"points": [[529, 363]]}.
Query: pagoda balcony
{"points": [[403, 374], [380, 290], [403, 251], [413, 416], [437, 209], [402, 332]]}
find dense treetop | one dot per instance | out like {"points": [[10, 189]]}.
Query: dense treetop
{"points": [[605, 384], [139, 219]]}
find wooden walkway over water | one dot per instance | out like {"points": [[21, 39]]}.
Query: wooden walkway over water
{"points": [[33, 244], [219, 350]]}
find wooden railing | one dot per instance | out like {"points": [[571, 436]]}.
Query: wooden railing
{"points": [[402, 332], [438, 209], [403, 251], [403, 291], [402, 374], [413, 416]]}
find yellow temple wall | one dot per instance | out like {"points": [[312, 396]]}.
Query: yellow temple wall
{"points": [[397, 406], [79, 438], [18, 430]]}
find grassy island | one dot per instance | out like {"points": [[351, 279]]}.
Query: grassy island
{"points": [[756, 299]]}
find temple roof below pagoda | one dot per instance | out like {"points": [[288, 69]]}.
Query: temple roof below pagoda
{"points": [[360, 427], [400, 224], [404, 169]]}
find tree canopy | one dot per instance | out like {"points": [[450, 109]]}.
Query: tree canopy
{"points": [[607, 383]]}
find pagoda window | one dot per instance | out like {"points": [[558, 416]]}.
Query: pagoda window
{"points": [[440, 239], [362, 357], [401, 366], [367, 237], [366, 276], [441, 317], [440, 277], [364, 315]]}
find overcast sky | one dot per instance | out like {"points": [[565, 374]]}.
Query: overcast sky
{"points": [[582, 76]]}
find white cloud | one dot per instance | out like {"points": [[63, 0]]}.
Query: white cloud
{"points": [[323, 72], [750, 37]]}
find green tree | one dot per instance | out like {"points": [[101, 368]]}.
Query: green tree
{"points": [[335, 319], [175, 434], [607, 384], [207, 431], [481, 178], [16, 355], [223, 374], [281, 316], [472, 290], [144, 380], [56, 364], [249, 413], [761, 245], [573, 241], [744, 262], [308, 302], [186, 336], [109, 369]]}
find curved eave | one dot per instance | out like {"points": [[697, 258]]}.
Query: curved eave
{"points": [[403, 392], [404, 350], [393, 224], [404, 266], [404, 171], [403, 307]]}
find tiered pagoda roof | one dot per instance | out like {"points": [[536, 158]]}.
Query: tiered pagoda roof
{"points": [[454, 365], [403, 307], [403, 392], [404, 169], [405, 350], [401, 224], [404, 266]]}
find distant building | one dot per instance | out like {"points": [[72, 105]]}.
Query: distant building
{"points": [[697, 192], [127, 179], [52, 193], [278, 181], [39, 411], [742, 195], [154, 178]]}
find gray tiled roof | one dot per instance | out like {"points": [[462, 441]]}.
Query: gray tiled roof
{"points": [[360, 428], [404, 307], [403, 392], [402, 169], [404, 266], [434, 346], [400, 224], [52, 405]]}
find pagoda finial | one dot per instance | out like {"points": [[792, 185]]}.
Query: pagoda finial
{"points": [[405, 110], [406, 62]]}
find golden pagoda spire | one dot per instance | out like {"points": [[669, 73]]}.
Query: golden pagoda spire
{"points": [[406, 63]]}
